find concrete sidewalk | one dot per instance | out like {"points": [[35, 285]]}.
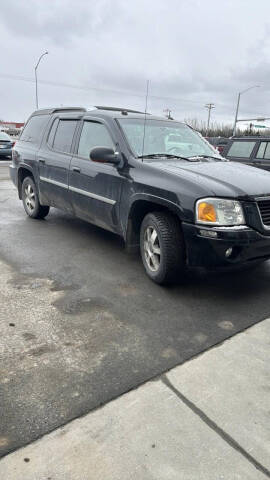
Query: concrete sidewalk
{"points": [[207, 419]]}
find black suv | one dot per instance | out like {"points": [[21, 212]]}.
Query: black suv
{"points": [[253, 151], [181, 202]]}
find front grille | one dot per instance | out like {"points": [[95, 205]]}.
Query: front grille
{"points": [[264, 208]]}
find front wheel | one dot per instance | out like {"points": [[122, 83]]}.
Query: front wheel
{"points": [[30, 200], [162, 247]]}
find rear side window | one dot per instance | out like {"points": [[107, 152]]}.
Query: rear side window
{"points": [[264, 151], [241, 149], [64, 135], [94, 135], [267, 151], [34, 128]]}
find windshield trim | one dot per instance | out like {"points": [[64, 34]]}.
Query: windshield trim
{"points": [[125, 138]]}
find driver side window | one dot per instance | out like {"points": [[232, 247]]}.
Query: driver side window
{"points": [[93, 135]]}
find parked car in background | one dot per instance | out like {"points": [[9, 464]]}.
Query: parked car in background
{"points": [[254, 151], [175, 141], [218, 142], [181, 204], [6, 144]]}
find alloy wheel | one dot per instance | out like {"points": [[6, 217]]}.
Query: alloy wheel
{"points": [[30, 198], [152, 250]]}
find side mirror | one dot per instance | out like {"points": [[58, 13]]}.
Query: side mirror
{"points": [[104, 155]]}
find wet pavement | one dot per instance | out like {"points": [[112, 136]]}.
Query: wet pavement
{"points": [[82, 324]]}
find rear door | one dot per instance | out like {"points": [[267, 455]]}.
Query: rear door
{"points": [[242, 151], [262, 157], [95, 188], [54, 160]]}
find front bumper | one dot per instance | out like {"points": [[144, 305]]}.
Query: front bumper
{"points": [[203, 249]]}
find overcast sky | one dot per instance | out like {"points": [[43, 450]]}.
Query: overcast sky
{"points": [[102, 52]]}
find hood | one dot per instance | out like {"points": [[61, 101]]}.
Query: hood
{"points": [[229, 179]]}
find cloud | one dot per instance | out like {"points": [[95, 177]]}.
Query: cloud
{"points": [[55, 20], [192, 51]]}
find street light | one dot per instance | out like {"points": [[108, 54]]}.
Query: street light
{"points": [[237, 107], [41, 56]]}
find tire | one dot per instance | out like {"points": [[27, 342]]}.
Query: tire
{"points": [[162, 247], [30, 200]]}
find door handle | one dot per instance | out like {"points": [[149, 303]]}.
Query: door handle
{"points": [[76, 169], [41, 160]]}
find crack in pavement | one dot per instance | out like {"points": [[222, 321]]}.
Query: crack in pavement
{"points": [[218, 430]]}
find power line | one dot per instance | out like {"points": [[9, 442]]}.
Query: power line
{"points": [[221, 106], [87, 88]]}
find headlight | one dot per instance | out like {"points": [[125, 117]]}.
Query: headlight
{"points": [[219, 211]]}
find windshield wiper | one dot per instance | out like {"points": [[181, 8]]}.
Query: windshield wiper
{"points": [[166, 155], [206, 156]]}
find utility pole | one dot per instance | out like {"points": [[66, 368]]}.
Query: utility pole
{"points": [[209, 106], [168, 112]]}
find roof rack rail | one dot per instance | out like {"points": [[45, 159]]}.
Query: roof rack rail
{"points": [[49, 111], [68, 109], [117, 109]]}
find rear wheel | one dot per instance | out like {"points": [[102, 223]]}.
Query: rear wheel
{"points": [[31, 200], [162, 247]]}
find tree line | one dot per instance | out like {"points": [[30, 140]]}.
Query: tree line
{"points": [[224, 130]]}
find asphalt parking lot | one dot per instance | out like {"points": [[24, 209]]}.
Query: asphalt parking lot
{"points": [[82, 323]]}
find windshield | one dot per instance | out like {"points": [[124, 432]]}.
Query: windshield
{"points": [[163, 136]]}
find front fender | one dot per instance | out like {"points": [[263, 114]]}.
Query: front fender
{"points": [[140, 204], [148, 197]]}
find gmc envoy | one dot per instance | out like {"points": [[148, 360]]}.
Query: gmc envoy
{"points": [[155, 182]]}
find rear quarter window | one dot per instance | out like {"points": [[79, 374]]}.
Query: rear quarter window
{"points": [[241, 149], [34, 128]]}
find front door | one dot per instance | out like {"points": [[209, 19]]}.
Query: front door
{"points": [[95, 188], [54, 159]]}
